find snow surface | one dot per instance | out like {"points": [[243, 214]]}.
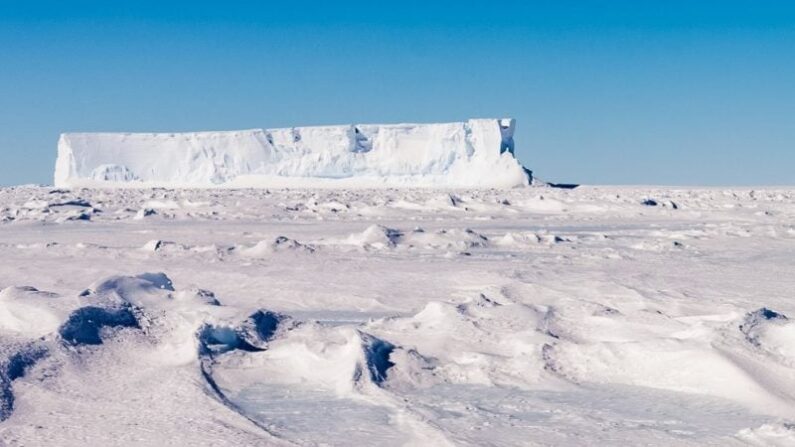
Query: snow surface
{"points": [[529, 316], [475, 153]]}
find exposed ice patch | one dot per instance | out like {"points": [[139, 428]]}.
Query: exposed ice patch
{"points": [[377, 353], [262, 326], [14, 362], [663, 203], [771, 333], [84, 326], [252, 335], [215, 340], [757, 321]]}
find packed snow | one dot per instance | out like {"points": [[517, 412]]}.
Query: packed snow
{"points": [[427, 317], [475, 153]]}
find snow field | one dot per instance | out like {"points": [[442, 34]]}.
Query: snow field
{"points": [[397, 317]]}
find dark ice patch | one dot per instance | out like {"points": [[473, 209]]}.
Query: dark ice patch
{"points": [[756, 321], [215, 340], [252, 335], [376, 354], [14, 367], [84, 325]]}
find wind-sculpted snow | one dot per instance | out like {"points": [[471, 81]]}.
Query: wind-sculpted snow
{"points": [[475, 153], [397, 316]]}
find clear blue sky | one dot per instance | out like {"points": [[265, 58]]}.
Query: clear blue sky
{"points": [[608, 92]]}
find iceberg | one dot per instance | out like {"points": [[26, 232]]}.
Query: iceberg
{"points": [[478, 153]]}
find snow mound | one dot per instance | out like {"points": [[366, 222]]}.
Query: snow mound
{"points": [[131, 288], [379, 237], [30, 312], [446, 239], [376, 236], [279, 244], [161, 352], [769, 435], [337, 359], [157, 245], [459, 343], [475, 153]]}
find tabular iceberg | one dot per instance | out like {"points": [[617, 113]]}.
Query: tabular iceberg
{"points": [[477, 153]]}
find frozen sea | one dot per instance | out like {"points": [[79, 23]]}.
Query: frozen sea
{"points": [[529, 316]]}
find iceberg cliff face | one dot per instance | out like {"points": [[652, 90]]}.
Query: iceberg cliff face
{"points": [[476, 153]]}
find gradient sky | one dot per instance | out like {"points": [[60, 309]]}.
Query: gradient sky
{"points": [[605, 92]]}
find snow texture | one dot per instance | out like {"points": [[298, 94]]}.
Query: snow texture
{"points": [[475, 153], [393, 317]]}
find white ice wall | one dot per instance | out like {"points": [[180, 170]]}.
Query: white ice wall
{"points": [[464, 154]]}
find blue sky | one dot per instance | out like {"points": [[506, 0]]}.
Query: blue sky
{"points": [[605, 92]]}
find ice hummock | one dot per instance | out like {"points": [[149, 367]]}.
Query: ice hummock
{"points": [[477, 153]]}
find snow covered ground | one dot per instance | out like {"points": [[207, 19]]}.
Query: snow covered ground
{"points": [[530, 316]]}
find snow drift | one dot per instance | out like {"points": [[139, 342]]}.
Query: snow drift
{"points": [[475, 153]]}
